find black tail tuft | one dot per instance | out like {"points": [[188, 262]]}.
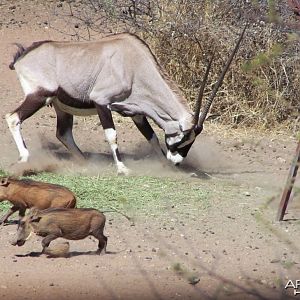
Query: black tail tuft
{"points": [[17, 55]]}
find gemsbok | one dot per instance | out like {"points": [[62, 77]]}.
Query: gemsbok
{"points": [[117, 73]]}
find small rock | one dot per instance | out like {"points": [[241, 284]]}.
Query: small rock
{"points": [[281, 160], [193, 280], [263, 281], [194, 175], [246, 194]]}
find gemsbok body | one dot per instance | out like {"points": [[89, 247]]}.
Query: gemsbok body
{"points": [[117, 73]]}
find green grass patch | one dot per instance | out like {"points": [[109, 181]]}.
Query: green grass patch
{"points": [[138, 194], [2, 173]]}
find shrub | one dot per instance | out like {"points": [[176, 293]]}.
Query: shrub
{"points": [[262, 86]]}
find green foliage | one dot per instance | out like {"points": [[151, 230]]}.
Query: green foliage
{"points": [[263, 58], [293, 37], [2, 173], [272, 14], [288, 264], [181, 271]]}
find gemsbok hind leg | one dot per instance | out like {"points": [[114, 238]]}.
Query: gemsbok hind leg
{"points": [[32, 103], [64, 133], [111, 137]]}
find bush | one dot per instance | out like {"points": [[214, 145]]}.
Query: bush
{"points": [[262, 86]]}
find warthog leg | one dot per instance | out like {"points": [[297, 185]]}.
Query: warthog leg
{"points": [[47, 240], [8, 214], [21, 212], [102, 240]]}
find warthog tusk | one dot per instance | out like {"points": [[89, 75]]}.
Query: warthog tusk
{"points": [[29, 236]]}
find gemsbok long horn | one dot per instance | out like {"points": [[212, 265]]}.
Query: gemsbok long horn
{"points": [[201, 92], [220, 80]]}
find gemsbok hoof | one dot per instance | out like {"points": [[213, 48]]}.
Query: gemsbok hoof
{"points": [[123, 171]]}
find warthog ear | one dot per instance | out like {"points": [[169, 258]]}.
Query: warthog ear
{"points": [[4, 181], [33, 215], [35, 219]]}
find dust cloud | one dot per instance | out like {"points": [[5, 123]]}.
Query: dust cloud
{"points": [[46, 156]]}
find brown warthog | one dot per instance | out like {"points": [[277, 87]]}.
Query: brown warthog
{"points": [[71, 224], [27, 193]]}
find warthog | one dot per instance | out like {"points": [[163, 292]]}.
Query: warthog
{"points": [[27, 193], [71, 224]]}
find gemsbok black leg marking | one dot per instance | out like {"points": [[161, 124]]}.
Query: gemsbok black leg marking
{"points": [[111, 137], [32, 103], [64, 132], [146, 130]]}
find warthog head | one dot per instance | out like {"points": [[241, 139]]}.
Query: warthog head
{"points": [[26, 228]]}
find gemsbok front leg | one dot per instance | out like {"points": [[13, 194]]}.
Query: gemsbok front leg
{"points": [[146, 130], [111, 137], [32, 103]]}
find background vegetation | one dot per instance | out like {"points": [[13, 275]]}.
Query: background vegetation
{"points": [[261, 89]]}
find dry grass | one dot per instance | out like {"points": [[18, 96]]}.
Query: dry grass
{"points": [[262, 87]]}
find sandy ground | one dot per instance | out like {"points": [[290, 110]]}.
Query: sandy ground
{"points": [[235, 255]]}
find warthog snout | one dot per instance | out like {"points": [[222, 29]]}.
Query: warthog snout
{"points": [[18, 242]]}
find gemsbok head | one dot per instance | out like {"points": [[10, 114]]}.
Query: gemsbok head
{"points": [[117, 73]]}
